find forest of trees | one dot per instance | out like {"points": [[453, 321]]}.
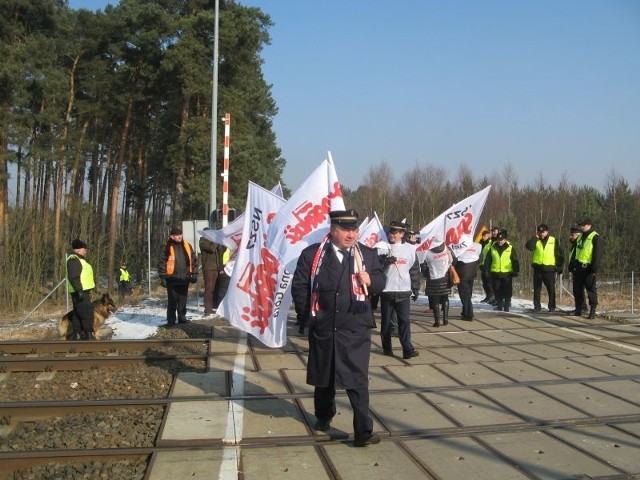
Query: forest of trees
{"points": [[105, 123]]}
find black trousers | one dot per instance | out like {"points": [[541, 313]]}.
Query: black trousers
{"points": [[83, 309], [465, 288], [176, 302], [389, 305], [549, 281], [222, 286], [324, 399], [584, 280], [502, 285], [486, 283]]}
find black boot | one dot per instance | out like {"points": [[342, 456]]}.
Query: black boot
{"points": [[436, 315], [445, 313], [498, 306], [507, 305], [592, 313]]}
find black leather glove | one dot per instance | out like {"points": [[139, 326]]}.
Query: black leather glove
{"points": [[193, 278], [414, 297], [80, 295], [163, 282]]}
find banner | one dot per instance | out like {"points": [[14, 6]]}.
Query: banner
{"points": [[455, 225], [230, 235], [373, 235], [271, 244], [248, 303]]}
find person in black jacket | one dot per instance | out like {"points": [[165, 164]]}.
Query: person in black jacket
{"points": [[330, 289], [587, 260], [177, 267], [467, 267], [80, 283], [547, 261], [503, 265]]}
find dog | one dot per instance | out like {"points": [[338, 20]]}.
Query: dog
{"points": [[102, 308]]}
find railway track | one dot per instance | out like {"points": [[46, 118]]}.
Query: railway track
{"points": [[132, 452]]}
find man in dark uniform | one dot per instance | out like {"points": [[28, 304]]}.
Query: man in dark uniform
{"points": [[547, 261], [487, 240], [80, 282], [503, 265], [330, 288], [587, 260]]}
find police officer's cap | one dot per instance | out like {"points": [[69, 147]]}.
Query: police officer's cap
{"points": [[78, 244], [575, 230], [397, 227], [344, 218], [585, 221], [543, 227]]}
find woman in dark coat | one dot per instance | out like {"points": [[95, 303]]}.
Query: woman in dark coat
{"points": [[330, 301], [467, 267]]}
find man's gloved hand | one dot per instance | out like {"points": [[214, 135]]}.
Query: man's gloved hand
{"points": [[80, 295], [414, 296], [163, 282], [193, 278]]}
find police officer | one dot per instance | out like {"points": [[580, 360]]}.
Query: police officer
{"points": [[547, 261], [488, 237], [80, 282], [124, 281], [588, 258], [502, 263]]}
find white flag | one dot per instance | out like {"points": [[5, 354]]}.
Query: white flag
{"points": [[302, 221], [248, 304], [230, 235], [454, 225], [373, 234]]}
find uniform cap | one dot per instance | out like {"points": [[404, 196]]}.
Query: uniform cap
{"points": [[585, 221], [77, 244], [543, 227], [575, 230], [175, 231], [397, 227], [344, 218]]}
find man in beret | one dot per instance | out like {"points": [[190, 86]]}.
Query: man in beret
{"points": [[330, 289], [587, 260], [177, 267], [80, 282], [547, 261]]}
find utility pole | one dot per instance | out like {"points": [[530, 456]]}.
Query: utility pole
{"points": [[214, 115]]}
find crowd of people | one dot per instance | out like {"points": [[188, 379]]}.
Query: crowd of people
{"points": [[335, 281]]}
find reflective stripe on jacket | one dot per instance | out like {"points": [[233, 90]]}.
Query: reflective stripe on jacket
{"points": [[86, 276], [501, 262], [171, 259], [584, 248]]}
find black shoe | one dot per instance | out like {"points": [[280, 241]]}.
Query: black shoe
{"points": [[498, 308], [467, 318], [388, 354], [394, 333], [322, 425], [169, 325], [184, 321], [592, 314], [506, 308], [411, 354], [575, 313], [552, 309], [492, 301], [75, 336], [372, 439]]}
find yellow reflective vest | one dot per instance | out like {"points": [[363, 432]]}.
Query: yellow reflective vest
{"points": [[86, 276], [501, 262], [545, 255]]}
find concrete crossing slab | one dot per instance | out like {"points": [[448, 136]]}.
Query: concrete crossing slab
{"points": [[464, 355], [471, 409], [609, 364], [421, 376], [271, 361], [540, 334], [194, 420], [196, 465], [461, 457], [295, 462], [379, 379], [504, 352], [546, 457], [610, 445], [275, 417], [590, 400], [627, 390], [407, 413], [472, 373], [541, 350], [520, 371], [201, 384], [382, 461], [532, 405], [503, 337], [267, 382], [568, 368]]}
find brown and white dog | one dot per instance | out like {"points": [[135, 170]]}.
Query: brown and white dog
{"points": [[102, 308]]}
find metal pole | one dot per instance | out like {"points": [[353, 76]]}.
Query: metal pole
{"points": [[214, 112], [149, 255]]}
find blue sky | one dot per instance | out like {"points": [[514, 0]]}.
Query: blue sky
{"points": [[550, 87]]}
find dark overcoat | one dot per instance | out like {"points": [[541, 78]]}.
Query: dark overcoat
{"points": [[339, 337]]}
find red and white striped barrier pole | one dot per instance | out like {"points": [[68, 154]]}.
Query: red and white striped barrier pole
{"points": [[225, 171]]}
